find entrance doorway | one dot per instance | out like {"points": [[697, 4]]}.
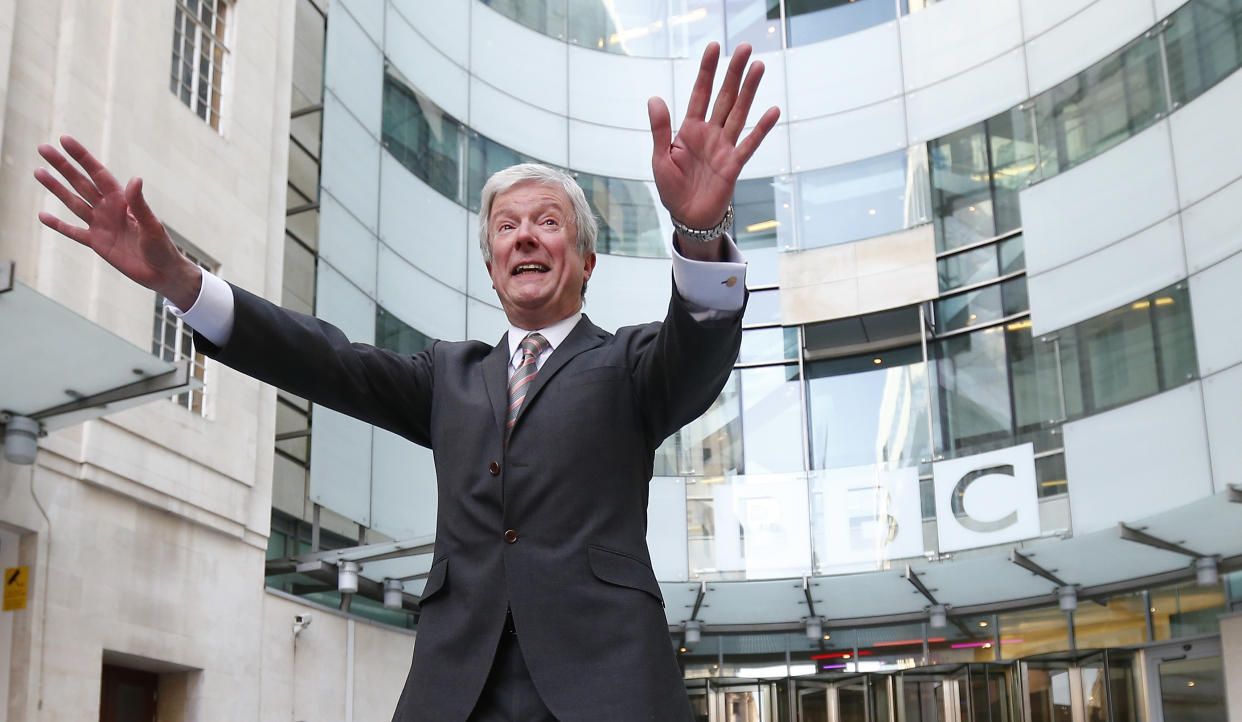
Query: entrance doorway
{"points": [[1185, 682]]}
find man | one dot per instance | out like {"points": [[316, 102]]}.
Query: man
{"points": [[540, 603]]}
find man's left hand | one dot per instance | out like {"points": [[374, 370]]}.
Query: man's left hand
{"points": [[696, 172]]}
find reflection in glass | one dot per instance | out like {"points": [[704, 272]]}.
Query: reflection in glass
{"points": [[761, 345], [543, 16], [486, 156], [762, 217], [974, 390], [967, 268], [1193, 689], [763, 307], [863, 412], [757, 22], [1204, 44], [857, 200], [396, 335], [748, 527], [972, 308], [1101, 106], [692, 24], [1175, 338], [629, 222], [423, 138], [961, 187], [1011, 141], [810, 21], [1048, 691], [1185, 610], [627, 27], [1033, 367], [1120, 621], [1120, 355], [753, 427]]}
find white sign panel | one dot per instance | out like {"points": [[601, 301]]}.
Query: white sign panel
{"points": [[762, 527], [986, 499], [869, 517]]}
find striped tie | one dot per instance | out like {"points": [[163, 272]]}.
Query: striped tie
{"points": [[531, 346]]}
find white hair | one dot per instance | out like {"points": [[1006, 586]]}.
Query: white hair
{"points": [[503, 180]]}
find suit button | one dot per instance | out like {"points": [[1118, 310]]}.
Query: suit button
{"points": [[493, 469], [511, 536]]}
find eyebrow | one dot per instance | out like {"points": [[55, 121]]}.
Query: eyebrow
{"points": [[500, 212]]}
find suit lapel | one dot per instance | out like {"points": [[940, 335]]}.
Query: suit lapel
{"points": [[583, 337], [496, 379]]}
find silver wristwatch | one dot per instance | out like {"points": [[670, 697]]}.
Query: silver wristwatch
{"points": [[704, 235]]}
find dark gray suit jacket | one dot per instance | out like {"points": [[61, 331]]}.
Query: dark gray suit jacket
{"points": [[571, 484]]}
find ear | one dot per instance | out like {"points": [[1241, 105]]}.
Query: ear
{"points": [[587, 267]]}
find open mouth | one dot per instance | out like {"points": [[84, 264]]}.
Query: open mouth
{"points": [[530, 268]]}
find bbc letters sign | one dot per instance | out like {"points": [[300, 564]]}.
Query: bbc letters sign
{"points": [[986, 499], [872, 516]]}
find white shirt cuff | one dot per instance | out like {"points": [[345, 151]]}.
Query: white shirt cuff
{"points": [[212, 312], [712, 285]]}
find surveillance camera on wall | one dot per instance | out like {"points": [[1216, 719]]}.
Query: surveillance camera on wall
{"points": [[302, 620]]}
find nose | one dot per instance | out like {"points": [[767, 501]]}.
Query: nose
{"points": [[525, 234]]}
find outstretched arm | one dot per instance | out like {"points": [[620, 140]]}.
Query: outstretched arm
{"points": [[120, 226], [696, 171]]}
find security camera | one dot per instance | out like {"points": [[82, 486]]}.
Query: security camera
{"points": [[302, 620]]}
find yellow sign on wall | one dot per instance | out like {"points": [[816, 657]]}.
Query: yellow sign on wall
{"points": [[15, 579]]}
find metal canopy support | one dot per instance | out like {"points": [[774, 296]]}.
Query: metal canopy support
{"points": [[164, 385], [698, 600], [810, 603], [1025, 562], [913, 578], [1131, 534]]}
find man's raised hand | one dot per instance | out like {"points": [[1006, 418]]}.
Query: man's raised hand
{"points": [[120, 226], [696, 171]]}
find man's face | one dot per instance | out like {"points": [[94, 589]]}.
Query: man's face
{"points": [[536, 268]]}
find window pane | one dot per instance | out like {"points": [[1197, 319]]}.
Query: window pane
{"points": [[629, 216], [1203, 44], [970, 267], [1120, 361], [863, 412], [692, 24], [1100, 107], [761, 345], [771, 429], [394, 334], [486, 156], [1122, 620], [1012, 255], [628, 27], [1033, 366], [974, 391], [810, 21], [961, 189], [1186, 610], [1050, 475], [1034, 631], [1011, 138], [852, 201], [762, 214], [545, 16], [757, 22], [711, 444], [971, 308], [1175, 337], [422, 137], [763, 307]]}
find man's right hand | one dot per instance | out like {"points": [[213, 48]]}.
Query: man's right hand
{"points": [[120, 226]]}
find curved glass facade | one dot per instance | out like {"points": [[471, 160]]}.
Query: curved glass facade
{"points": [[681, 28], [825, 451]]}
